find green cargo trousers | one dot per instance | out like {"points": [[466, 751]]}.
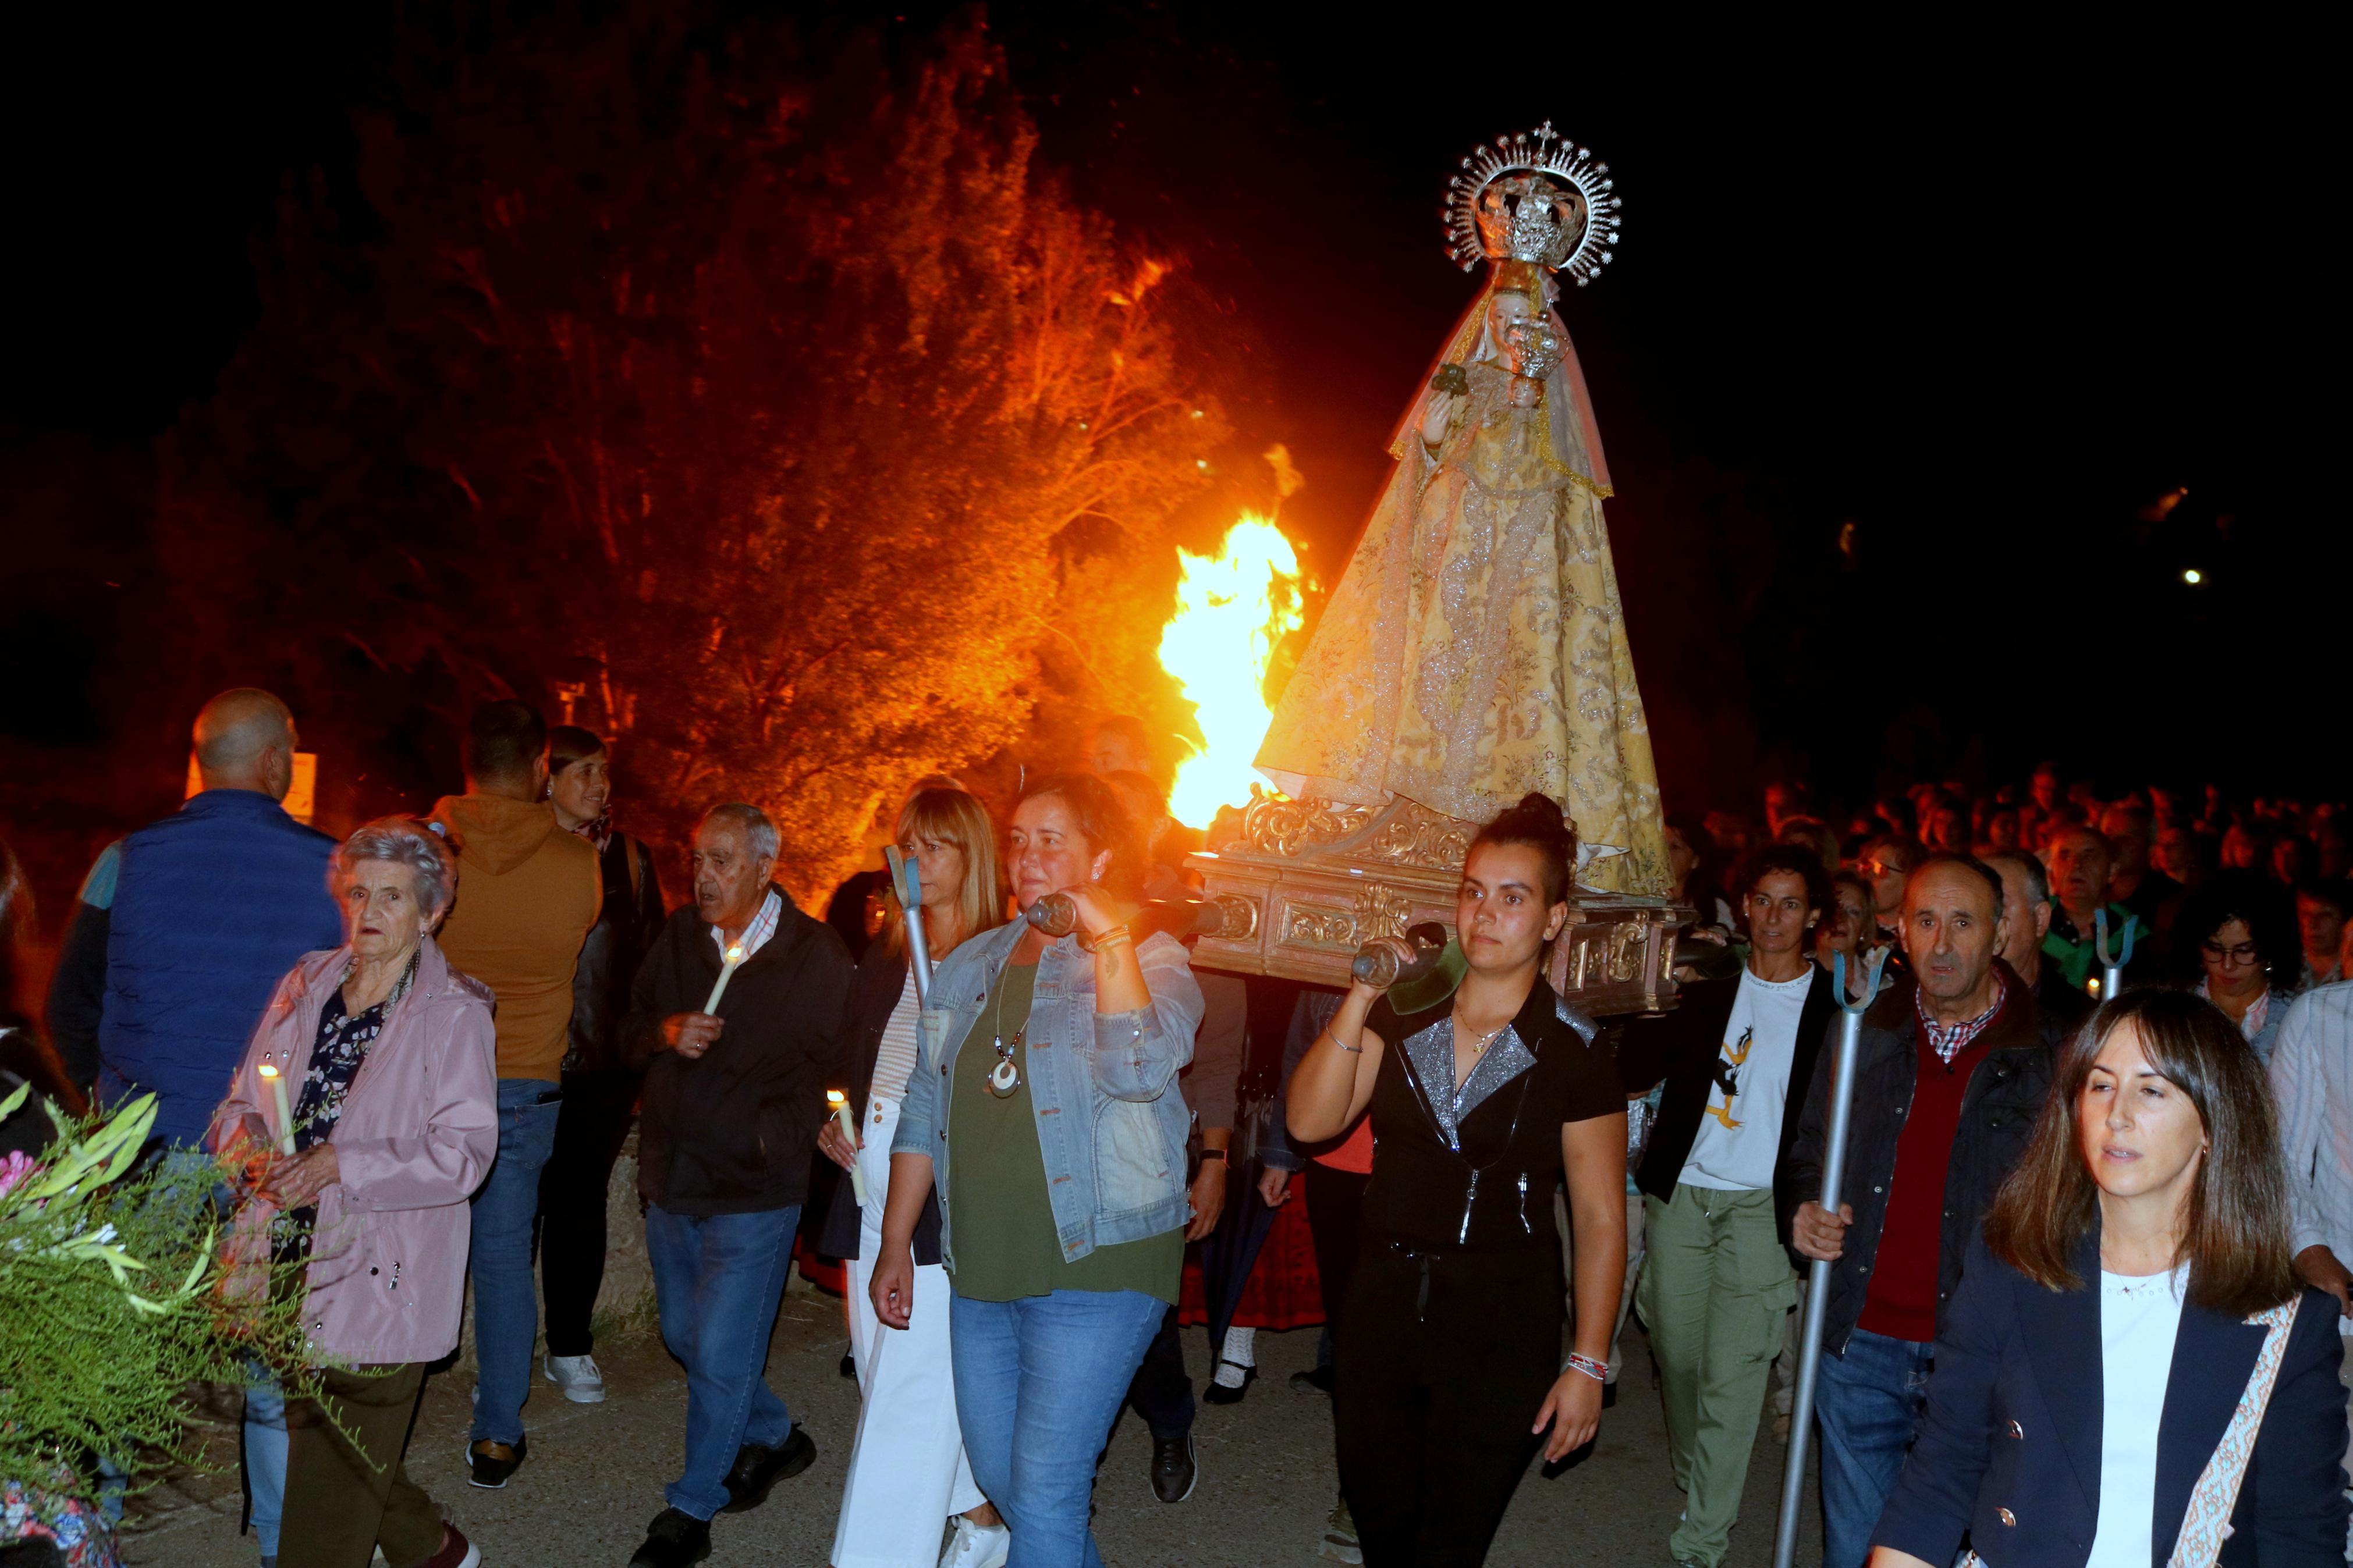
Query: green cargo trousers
{"points": [[1715, 1287]]}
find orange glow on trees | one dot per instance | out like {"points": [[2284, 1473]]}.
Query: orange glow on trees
{"points": [[786, 413]]}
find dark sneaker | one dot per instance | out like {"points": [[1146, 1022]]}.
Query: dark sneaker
{"points": [[758, 1467], [1316, 1380], [1174, 1468], [673, 1539], [456, 1552], [489, 1464]]}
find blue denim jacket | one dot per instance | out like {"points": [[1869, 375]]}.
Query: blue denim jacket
{"points": [[1111, 1121]]}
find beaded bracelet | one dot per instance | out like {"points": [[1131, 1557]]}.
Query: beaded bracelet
{"points": [[1599, 1371]]}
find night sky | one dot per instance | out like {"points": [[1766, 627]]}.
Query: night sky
{"points": [[1972, 304]]}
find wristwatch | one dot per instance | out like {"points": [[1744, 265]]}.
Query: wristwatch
{"points": [[1214, 1155]]}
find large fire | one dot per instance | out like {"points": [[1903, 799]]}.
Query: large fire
{"points": [[1233, 609]]}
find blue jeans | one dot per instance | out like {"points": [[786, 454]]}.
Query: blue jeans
{"points": [[717, 1282], [1037, 1383], [506, 1308], [265, 1457], [1868, 1403]]}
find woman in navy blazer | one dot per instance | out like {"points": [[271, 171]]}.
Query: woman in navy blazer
{"points": [[2101, 1340]]}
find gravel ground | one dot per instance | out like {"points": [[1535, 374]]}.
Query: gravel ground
{"points": [[596, 1473]]}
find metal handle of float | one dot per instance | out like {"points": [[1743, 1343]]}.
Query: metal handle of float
{"points": [[1225, 916], [907, 882], [2112, 969], [1378, 965], [1817, 1277]]}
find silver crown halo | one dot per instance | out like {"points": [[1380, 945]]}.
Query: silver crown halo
{"points": [[1520, 224]]}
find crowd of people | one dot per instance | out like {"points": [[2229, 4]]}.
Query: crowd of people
{"points": [[2086, 1287]]}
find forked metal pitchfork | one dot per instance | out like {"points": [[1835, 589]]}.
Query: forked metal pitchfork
{"points": [[908, 883], [2112, 970]]}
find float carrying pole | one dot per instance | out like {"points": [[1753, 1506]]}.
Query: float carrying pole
{"points": [[1818, 1286]]}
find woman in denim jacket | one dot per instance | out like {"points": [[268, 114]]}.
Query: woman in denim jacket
{"points": [[1050, 1067]]}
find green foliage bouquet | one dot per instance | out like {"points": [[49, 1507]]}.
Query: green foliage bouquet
{"points": [[108, 1312]]}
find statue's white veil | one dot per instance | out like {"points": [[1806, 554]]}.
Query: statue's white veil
{"points": [[1576, 438]]}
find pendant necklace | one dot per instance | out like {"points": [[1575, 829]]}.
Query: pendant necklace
{"points": [[1005, 1077]]}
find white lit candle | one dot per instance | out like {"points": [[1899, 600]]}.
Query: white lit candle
{"points": [[726, 970], [841, 1103], [277, 1081]]}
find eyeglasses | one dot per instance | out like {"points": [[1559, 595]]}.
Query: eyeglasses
{"points": [[1876, 868], [2243, 954]]}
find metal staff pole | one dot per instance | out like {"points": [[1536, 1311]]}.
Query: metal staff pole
{"points": [[1818, 1286], [908, 883], [2112, 970]]}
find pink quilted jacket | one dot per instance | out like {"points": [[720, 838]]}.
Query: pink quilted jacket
{"points": [[419, 1130]]}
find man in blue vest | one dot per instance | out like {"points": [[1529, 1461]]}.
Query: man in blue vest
{"points": [[211, 906]]}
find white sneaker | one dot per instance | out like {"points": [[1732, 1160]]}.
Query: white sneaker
{"points": [[977, 1545], [577, 1375]]}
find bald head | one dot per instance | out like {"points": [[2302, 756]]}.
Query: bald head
{"points": [[245, 739]]}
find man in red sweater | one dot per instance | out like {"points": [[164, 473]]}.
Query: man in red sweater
{"points": [[1953, 1066]]}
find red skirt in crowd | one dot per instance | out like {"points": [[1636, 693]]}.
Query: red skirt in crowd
{"points": [[1283, 1291]]}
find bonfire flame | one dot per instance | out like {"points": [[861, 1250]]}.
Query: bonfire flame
{"points": [[1233, 609]]}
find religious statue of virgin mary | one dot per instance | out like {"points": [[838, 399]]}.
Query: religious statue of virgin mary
{"points": [[1475, 649]]}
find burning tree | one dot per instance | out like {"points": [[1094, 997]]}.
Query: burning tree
{"points": [[759, 393]]}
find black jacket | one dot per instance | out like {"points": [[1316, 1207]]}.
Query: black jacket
{"points": [[732, 1132], [874, 992], [1687, 1043], [2010, 1448], [1997, 1112], [1495, 1194], [625, 927]]}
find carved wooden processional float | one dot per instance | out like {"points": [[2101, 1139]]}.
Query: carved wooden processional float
{"points": [[1310, 881], [1474, 650]]}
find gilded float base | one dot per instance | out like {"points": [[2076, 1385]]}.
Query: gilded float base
{"points": [[1322, 879]]}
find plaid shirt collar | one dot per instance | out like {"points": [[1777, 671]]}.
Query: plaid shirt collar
{"points": [[1950, 1039], [756, 935]]}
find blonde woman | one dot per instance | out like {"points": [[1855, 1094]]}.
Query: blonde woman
{"points": [[907, 1468]]}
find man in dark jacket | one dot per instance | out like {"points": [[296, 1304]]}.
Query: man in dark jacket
{"points": [[2026, 919], [1738, 1055], [735, 1082], [1954, 1063], [211, 906]]}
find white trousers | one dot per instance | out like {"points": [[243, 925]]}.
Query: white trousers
{"points": [[907, 1468]]}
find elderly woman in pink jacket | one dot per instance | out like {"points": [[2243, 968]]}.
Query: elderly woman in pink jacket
{"points": [[390, 1099]]}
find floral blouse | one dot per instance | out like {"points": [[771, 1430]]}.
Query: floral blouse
{"points": [[336, 1055]]}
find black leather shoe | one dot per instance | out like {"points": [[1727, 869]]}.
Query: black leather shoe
{"points": [[757, 1469], [488, 1464], [1218, 1394], [1174, 1468], [673, 1539]]}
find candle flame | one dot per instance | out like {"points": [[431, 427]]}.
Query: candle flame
{"points": [[266, 1071], [835, 1097], [735, 954], [1233, 609]]}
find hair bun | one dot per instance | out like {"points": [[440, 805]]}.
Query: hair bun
{"points": [[1543, 807]]}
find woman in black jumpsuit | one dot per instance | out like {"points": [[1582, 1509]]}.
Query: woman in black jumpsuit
{"points": [[1449, 1367]]}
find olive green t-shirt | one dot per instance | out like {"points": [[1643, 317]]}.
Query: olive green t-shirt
{"points": [[1005, 1241]]}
